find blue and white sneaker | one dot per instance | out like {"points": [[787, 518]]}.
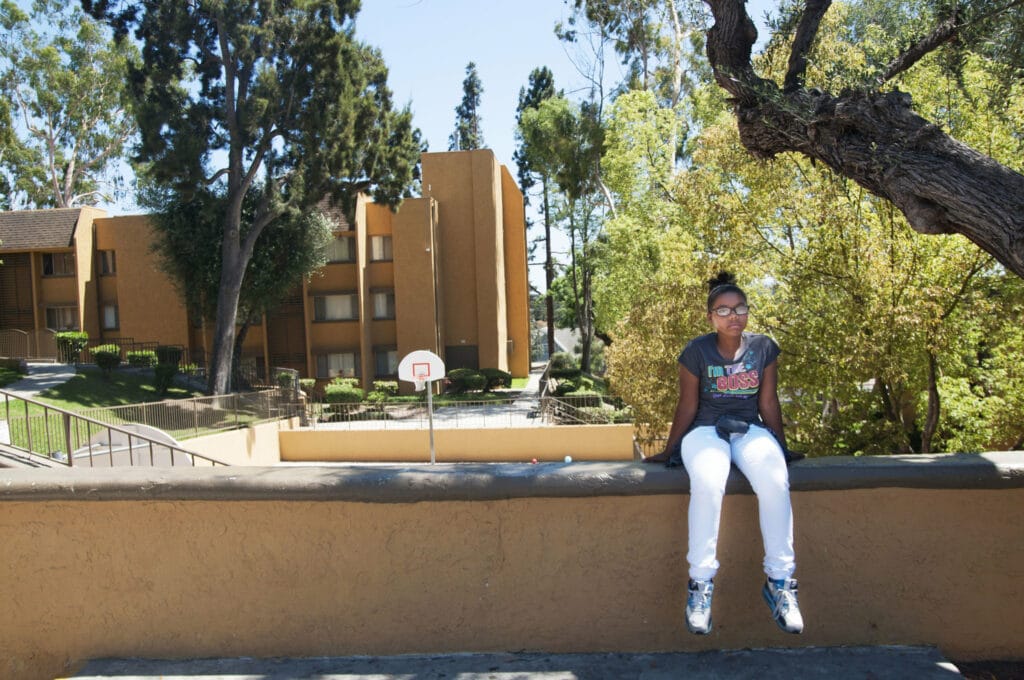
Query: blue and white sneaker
{"points": [[698, 606], [780, 594]]}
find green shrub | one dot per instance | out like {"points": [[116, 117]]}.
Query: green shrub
{"points": [[286, 380], [566, 385], [169, 354], [107, 357], [388, 387], [561, 361], [465, 380], [163, 377], [496, 378], [307, 385], [144, 358], [70, 345], [343, 391], [189, 369]]}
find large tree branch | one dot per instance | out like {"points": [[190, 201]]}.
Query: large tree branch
{"points": [[806, 32], [941, 185], [943, 33]]}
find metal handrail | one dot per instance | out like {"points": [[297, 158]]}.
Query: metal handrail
{"points": [[71, 428]]}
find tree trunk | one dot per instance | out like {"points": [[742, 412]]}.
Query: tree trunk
{"points": [[874, 138], [931, 421], [549, 271], [224, 330]]}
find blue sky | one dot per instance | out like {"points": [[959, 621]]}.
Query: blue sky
{"points": [[427, 44]]}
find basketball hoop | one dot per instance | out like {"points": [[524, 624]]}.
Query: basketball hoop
{"points": [[421, 368]]}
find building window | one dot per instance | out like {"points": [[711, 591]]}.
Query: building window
{"points": [[384, 304], [344, 307], [62, 318], [108, 262], [385, 362], [337, 365], [341, 249], [380, 249], [58, 264], [110, 318]]}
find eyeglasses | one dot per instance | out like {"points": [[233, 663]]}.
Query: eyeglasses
{"points": [[738, 310]]}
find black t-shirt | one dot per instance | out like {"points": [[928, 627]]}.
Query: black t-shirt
{"points": [[728, 386]]}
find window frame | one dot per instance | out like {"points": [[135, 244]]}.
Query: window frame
{"points": [[351, 257], [389, 311], [388, 254], [107, 265], [384, 351], [67, 259], [103, 316], [62, 309], [326, 374], [318, 318]]}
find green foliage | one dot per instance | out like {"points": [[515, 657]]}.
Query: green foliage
{"points": [[62, 76], [286, 380], [343, 391], [145, 358], [379, 397], [462, 380], [307, 385], [107, 357], [276, 107], [163, 377], [561, 361], [541, 86], [496, 378], [188, 240], [468, 134], [386, 387], [70, 345]]}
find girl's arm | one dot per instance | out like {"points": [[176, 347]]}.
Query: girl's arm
{"points": [[686, 410], [768, 402]]}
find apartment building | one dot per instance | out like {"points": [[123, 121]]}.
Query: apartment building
{"points": [[446, 273]]}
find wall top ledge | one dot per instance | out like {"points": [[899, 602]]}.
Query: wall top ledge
{"points": [[412, 483]]}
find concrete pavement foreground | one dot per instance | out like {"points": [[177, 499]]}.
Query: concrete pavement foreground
{"points": [[831, 663]]}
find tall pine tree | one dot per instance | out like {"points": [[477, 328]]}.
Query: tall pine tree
{"points": [[468, 134]]}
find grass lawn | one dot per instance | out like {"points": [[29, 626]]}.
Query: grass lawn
{"points": [[8, 375], [519, 383], [89, 388]]}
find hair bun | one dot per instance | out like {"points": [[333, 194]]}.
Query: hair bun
{"points": [[723, 279]]}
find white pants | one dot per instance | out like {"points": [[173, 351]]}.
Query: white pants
{"points": [[759, 457]]}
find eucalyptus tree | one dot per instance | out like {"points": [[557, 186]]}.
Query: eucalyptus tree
{"points": [[468, 133], [187, 239], [541, 88], [276, 101], [66, 115]]}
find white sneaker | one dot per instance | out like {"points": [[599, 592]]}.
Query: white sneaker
{"points": [[780, 594], [698, 606]]}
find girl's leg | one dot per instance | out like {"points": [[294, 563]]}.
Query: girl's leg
{"points": [[706, 457], [759, 457]]}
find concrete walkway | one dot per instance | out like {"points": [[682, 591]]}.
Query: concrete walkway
{"points": [[40, 377], [832, 663]]}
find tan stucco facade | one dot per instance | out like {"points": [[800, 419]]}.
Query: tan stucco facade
{"points": [[508, 445], [177, 573], [446, 272]]}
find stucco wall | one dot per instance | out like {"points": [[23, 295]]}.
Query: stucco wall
{"points": [[584, 557], [255, 445], [521, 444]]}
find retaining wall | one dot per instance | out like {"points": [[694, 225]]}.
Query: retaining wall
{"points": [[583, 557]]}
